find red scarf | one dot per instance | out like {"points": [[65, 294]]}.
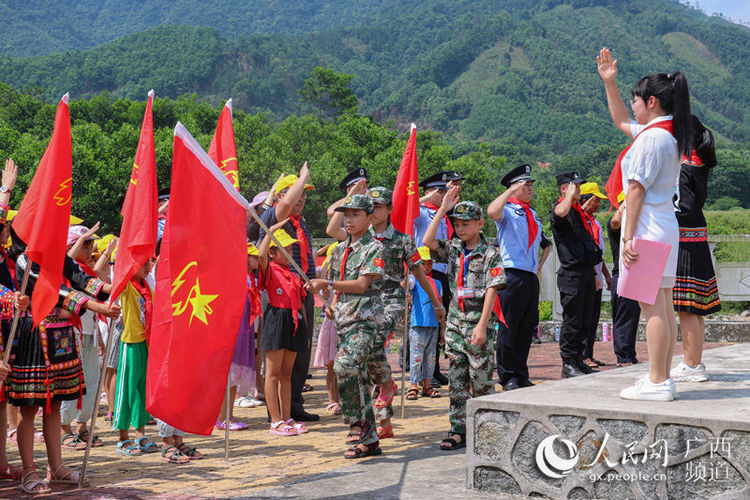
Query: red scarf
{"points": [[304, 246], [445, 218], [291, 286], [342, 271], [694, 159], [530, 219], [613, 187], [587, 220], [461, 261], [148, 307], [253, 293]]}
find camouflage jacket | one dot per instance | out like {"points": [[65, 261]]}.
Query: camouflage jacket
{"points": [[365, 257], [484, 269], [398, 249]]}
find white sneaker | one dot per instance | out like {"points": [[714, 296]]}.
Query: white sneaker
{"points": [[683, 373], [645, 390], [247, 402]]}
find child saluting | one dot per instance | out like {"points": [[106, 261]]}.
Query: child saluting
{"points": [[355, 265], [475, 273]]}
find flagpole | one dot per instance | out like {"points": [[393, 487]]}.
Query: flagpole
{"points": [[404, 338], [97, 394], [226, 424], [286, 254], [16, 315]]}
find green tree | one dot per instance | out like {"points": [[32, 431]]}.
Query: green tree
{"points": [[329, 93]]}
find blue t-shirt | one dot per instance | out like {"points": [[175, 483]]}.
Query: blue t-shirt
{"points": [[422, 311]]}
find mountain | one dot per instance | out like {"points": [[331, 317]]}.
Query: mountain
{"points": [[516, 75]]}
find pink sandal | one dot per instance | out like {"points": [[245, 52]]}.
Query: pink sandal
{"points": [[334, 408], [300, 427], [386, 395], [281, 428]]}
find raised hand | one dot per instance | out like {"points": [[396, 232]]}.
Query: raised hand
{"points": [[278, 225], [359, 187], [451, 198], [606, 66], [10, 173], [91, 231], [304, 172]]}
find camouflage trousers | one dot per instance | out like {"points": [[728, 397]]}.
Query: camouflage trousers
{"points": [[469, 373], [355, 347], [379, 371]]}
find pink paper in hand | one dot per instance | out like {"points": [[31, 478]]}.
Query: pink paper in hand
{"points": [[642, 280]]}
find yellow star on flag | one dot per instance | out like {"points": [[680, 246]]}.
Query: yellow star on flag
{"points": [[200, 304]]}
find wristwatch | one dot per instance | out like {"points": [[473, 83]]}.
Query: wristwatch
{"points": [[4, 189], [330, 284]]}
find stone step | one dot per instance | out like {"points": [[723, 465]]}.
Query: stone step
{"points": [[697, 446]]}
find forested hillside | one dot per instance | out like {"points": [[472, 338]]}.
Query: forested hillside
{"points": [[517, 75]]}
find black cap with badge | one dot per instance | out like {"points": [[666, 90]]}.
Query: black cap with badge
{"points": [[570, 176], [521, 173], [164, 193], [440, 180], [352, 177]]}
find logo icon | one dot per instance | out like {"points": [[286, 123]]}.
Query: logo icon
{"points": [[410, 188], [375, 194], [550, 463], [460, 209], [199, 301], [134, 177], [348, 200], [62, 196]]}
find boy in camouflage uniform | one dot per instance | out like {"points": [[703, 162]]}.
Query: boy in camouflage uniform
{"points": [[398, 249], [475, 273], [355, 265]]}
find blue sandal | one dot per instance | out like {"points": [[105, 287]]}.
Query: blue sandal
{"points": [[129, 450], [149, 447]]}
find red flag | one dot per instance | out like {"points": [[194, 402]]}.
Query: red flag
{"points": [[222, 149], [201, 282], [140, 209], [406, 190], [44, 214]]}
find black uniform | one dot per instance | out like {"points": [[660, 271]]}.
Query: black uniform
{"points": [[625, 311], [578, 253]]}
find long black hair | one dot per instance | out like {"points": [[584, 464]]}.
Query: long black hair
{"points": [[671, 90], [703, 142]]}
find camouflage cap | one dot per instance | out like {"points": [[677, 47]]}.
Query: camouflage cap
{"points": [[381, 195], [357, 201], [467, 210]]}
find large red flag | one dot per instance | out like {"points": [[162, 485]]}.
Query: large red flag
{"points": [[201, 283], [222, 150], [406, 190], [44, 214], [140, 209]]}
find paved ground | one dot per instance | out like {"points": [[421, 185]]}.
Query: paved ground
{"points": [[307, 466]]}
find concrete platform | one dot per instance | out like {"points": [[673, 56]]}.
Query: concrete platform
{"points": [[592, 444]]}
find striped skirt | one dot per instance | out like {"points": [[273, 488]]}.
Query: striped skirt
{"points": [[45, 364], [695, 290]]}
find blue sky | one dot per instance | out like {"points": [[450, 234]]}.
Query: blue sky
{"points": [[736, 9]]}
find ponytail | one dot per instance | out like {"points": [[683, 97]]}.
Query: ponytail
{"points": [[671, 90], [703, 142]]}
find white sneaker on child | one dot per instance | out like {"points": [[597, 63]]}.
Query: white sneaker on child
{"points": [[645, 390], [247, 402], [684, 373]]}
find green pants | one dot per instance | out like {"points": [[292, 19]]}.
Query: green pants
{"points": [[130, 395]]}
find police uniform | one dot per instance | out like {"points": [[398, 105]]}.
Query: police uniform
{"points": [[398, 249], [352, 178], [471, 273], [356, 317], [577, 253], [519, 301]]}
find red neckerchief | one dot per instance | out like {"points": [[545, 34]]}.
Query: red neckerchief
{"points": [[253, 293], [530, 219], [586, 219], [499, 311], [304, 247], [445, 218], [148, 307], [461, 260], [613, 187], [291, 286], [694, 159], [342, 271]]}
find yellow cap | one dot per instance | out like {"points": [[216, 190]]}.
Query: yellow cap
{"points": [[74, 221], [329, 251], [288, 181], [424, 253], [283, 238], [101, 243], [620, 197], [592, 188], [252, 249]]}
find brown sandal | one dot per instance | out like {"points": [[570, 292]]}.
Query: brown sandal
{"points": [[368, 451], [430, 392], [413, 393], [361, 435]]}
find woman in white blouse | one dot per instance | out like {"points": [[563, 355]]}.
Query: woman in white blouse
{"points": [[650, 169]]}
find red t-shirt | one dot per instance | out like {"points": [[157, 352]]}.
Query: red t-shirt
{"points": [[285, 289]]}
